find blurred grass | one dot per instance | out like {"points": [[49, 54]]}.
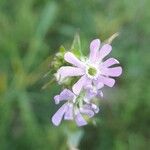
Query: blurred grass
{"points": [[33, 30]]}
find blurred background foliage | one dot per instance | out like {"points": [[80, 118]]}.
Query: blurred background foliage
{"points": [[31, 32]]}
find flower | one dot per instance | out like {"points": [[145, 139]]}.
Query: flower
{"points": [[94, 70], [73, 108]]}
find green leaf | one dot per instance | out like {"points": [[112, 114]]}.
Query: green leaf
{"points": [[76, 45], [47, 19]]}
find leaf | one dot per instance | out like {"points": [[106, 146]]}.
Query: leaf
{"points": [[45, 22], [47, 19], [46, 85], [76, 45]]}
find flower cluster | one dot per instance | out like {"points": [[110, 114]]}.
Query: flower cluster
{"points": [[94, 73]]}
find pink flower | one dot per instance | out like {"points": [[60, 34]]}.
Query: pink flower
{"points": [[70, 110], [94, 71]]}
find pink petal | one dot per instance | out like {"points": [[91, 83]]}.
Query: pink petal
{"points": [[57, 99], [80, 121], [69, 113], [114, 72], [95, 108], [57, 117], [72, 59], [109, 62], [90, 94], [77, 87], [94, 47], [99, 84], [104, 51], [87, 111], [107, 81], [64, 95], [69, 71]]}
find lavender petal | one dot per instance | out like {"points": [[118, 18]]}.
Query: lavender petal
{"points": [[72, 59], [87, 111], [69, 112], [69, 71], [109, 62], [114, 72], [95, 108], [94, 47], [80, 121], [77, 87], [57, 117], [107, 81], [104, 51]]}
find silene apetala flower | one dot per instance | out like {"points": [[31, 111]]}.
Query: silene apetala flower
{"points": [[94, 72]]}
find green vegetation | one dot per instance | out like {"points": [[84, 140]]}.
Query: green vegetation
{"points": [[31, 32]]}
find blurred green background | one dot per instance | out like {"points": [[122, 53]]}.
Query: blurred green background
{"points": [[33, 30]]}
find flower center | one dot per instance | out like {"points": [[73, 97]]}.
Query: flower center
{"points": [[92, 71]]}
